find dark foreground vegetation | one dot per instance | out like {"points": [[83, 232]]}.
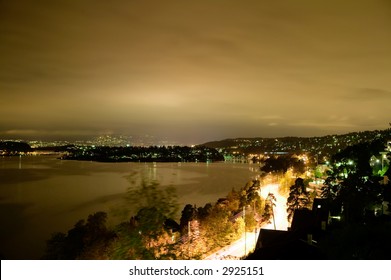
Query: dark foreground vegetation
{"points": [[152, 231]]}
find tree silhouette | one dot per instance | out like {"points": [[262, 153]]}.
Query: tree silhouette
{"points": [[189, 213], [269, 206], [298, 198], [89, 240], [281, 164]]}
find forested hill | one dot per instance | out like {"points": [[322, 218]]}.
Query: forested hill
{"points": [[145, 154], [11, 147], [329, 144]]}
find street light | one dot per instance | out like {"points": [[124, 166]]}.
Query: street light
{"points": [[245, 240], [274, 221], [255, 229]]}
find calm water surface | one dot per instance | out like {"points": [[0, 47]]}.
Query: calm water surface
{"points": [[41, 195]]}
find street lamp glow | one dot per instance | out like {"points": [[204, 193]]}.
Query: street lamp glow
{"points": [[280, 213]]}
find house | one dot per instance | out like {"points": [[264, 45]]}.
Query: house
{"points": [[299, 242], [284, 245]]}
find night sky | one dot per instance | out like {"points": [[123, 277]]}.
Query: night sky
{"points": [[193, 71]]}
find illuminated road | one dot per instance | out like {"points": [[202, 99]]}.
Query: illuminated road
{"points": [[237, 249], [247, 242]]}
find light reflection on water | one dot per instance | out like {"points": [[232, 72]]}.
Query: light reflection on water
{"points": [[41, 195]]}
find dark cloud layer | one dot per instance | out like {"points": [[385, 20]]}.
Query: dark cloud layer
{"points": [[194, 70], [372, 94]]}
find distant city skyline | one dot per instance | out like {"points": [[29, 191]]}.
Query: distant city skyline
{"points": [[118, 140], [101, 140], [193, 71]]}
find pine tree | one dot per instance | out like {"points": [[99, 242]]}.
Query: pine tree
{"points": [[298, 198]]}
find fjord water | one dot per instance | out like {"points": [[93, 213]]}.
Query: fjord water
{"points": [[40, 195]]}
